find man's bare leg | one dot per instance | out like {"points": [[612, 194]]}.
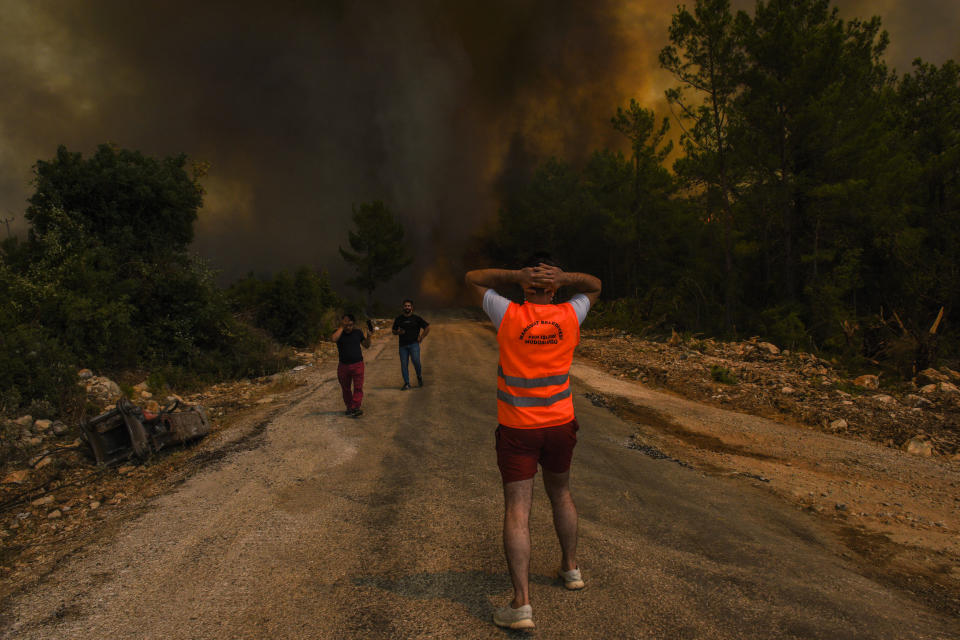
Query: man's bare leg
{"points": [[517, 497], [564, 516]]}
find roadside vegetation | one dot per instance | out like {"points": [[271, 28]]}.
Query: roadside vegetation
{"points": [[104, 280], [812, 201]]}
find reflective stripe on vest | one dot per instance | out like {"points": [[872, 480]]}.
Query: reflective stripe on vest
{"points": [[531, 383], [524, 401]]}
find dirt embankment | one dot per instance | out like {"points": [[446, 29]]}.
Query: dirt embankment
{"points": [[757, 378]]}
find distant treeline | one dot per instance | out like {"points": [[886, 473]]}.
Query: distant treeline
{"points": [[104, 281], [815, 198]]}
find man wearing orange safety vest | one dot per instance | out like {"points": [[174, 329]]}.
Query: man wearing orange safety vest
{"points": [[535, 411]]}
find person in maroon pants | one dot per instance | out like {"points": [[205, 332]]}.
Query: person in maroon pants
{"points": [[537, 424], [349, 339]]}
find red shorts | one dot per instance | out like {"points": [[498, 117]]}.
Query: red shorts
{"points": [[520, 450]]}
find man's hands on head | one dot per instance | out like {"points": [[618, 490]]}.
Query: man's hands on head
{"points": [[539, 279], [547, 277], [533, 281], [525, 278]]}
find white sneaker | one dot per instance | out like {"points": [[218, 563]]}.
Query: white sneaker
{"points": [[510, 618], [571, 579]]}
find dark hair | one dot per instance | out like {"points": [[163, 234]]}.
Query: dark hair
{"points": [[538, 257], [406, 300], [350, 315]]}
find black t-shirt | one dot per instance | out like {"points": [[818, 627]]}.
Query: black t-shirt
{"points": [[348, 346], [411, 326]]}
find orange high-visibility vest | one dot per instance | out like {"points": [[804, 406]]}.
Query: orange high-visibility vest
{"points": [[533, 378]]}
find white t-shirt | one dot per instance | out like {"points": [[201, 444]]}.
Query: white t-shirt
{"points": [[496, 306]]}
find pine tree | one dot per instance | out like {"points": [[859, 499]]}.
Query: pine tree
{"points": [[379, 251]]}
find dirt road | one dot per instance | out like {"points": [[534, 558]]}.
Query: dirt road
{"points": [[388, 526]]}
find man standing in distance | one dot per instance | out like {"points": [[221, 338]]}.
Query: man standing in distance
{"points": [[350, 369], [412, 329], [535, 411]]}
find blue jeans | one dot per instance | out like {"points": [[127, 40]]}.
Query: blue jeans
{"points": [[413, 352]]}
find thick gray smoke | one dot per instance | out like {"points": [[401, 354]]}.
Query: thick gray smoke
{"points": [[303, 109]]}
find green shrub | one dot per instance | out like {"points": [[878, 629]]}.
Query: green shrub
{"points": [[624, 314], [848, 387], [784, 326], [157, 383], [35, 370], [292, 307], [248, 352], [722, 375], [9, 438], [171, 377], [254, 353], [41, 409], [329, 322]]}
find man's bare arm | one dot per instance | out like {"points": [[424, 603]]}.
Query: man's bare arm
{"points": [[424, 333], [583, 283], [479, 280], [537, 277], [556, 277]]}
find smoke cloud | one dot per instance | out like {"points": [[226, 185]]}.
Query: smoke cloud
{"points": [[303, 109]]}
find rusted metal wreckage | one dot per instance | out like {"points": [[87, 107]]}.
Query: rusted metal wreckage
{"points": [[128, 432]]}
